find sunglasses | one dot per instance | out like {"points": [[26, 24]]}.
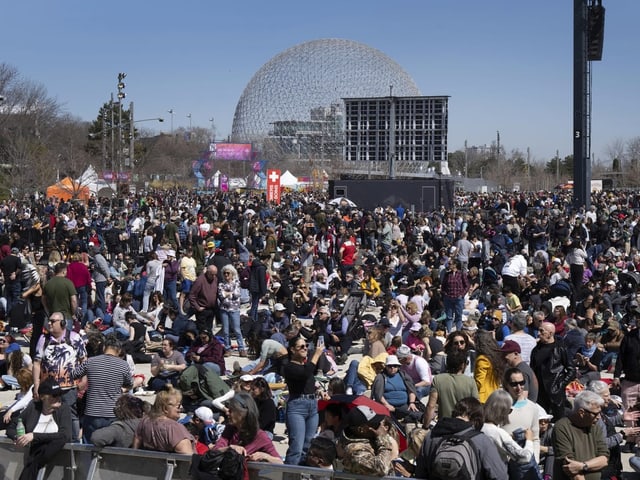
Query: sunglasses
{"points": [[518, 384], [459, 342], [302, 347]]}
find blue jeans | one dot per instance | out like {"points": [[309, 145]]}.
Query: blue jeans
{"points": [[83, 302], [91, 424], [302, 423], [12, 294], [170, 293], [121, 333], [231, 319], [453, 310], [100, 300], [352, 380], [255, 301]]}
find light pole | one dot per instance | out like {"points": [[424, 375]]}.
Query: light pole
{"points": [[213, 130], [121, 96], [189, 117], [171, 112]]}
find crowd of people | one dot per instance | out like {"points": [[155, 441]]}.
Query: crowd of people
{"points": [[509, 323]]}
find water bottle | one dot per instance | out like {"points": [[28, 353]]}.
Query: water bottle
{"points": [[20, 428]]}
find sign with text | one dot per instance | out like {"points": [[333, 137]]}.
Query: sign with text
{"points": [[231, 151], [273, 186]]}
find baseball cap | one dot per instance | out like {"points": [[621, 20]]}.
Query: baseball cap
{"points": [[363, 415], [211, 245], [542, 413], [247, 378], [278, 307], [15, 251], [509, 346], [205, 414], [50, 386], [392, 360], [384, 322], [611, 282]]}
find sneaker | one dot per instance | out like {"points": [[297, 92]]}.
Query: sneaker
{"points": [[228, 353], [236, 368], [243, 353]]}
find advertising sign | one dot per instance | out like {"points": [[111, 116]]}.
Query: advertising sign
{"points": [[231, 151], [273, 186]]}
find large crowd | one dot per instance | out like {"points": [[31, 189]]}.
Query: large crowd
{"points": [[508, 323]]}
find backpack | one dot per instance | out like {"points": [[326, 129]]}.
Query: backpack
{"points": [[219, 465], [456, 457]]}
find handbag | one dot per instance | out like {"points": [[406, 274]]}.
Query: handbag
{"points": [[219, 465]]}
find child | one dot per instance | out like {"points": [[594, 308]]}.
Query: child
{"points": [[322, 453]]}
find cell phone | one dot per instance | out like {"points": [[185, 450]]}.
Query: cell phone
{"points": [[320, 342]]}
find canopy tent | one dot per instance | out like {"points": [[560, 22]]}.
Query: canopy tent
{"points": [[67, 189], [288, 179], [96, 185]]}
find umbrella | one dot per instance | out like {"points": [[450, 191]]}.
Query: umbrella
{"points": [[341, 202], [351, 401]]}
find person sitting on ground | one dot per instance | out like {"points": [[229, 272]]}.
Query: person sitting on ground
{"points": [[128, 412], [365, 446], [160, 430], [395, 390], [24, 376], [166, 366], [207, 350], [242, 432], [263, 397]]}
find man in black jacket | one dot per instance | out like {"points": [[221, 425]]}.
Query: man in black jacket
{"points": [[257, 284], [43, 446]]}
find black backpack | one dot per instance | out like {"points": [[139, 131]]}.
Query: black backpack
{"points": [[456, 457], [218, 465]]}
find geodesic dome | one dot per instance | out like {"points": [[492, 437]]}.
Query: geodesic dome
{"points": [[315, 74]]}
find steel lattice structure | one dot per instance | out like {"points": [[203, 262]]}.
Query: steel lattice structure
{"points": [[315, 74]]}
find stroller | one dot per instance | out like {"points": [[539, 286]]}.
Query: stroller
{"points": [[353, 307]]}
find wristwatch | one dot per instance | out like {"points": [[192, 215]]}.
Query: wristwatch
{"points": [[585, 467]]}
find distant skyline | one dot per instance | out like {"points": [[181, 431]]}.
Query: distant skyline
{"points": [[507, 65]]}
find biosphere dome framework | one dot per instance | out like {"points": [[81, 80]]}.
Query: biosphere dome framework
{"points": [[315, 74]]}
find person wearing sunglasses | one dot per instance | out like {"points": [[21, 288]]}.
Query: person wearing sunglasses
{"points": [[302, 407], [511, 351], [578, 441], [524, 413]]}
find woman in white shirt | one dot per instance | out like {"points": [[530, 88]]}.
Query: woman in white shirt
{"points": [[496, 414]]}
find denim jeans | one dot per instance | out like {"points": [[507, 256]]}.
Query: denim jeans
{"points": [[83, 302], [302, 423], [121, 332], [100, 300], [231, 319], [91, 424], [352, 380], [170, 293], [255, 302], [12, 294], [453, 309]]}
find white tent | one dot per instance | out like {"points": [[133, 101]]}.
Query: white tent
{"points": [[90, 179], [287, 179]]}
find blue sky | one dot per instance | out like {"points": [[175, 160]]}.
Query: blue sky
{"points": [[507, 64]]}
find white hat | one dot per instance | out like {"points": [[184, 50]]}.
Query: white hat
{"points": [[278, 307], [392, 360], [542, 413], [403, 351], [205, 414], [247, 378], [415, 327], [275, 284], [611, 282]]}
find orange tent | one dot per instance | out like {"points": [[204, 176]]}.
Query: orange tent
{"points": [[67, 189]]}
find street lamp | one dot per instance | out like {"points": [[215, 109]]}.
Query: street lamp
{"points": [[213, 130], [171, 112], [189, 117]]}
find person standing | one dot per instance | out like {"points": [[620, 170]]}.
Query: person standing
{"points": [[188, 275], [153, 269], [203, 298], [257, 284], [302, 407], [101, 275], [60, 295], [229, 295], [11, 266], [553, 369], [455, 285], [171, 269], [578, 441], [80, 276], [107, 376], [58, 353]]}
